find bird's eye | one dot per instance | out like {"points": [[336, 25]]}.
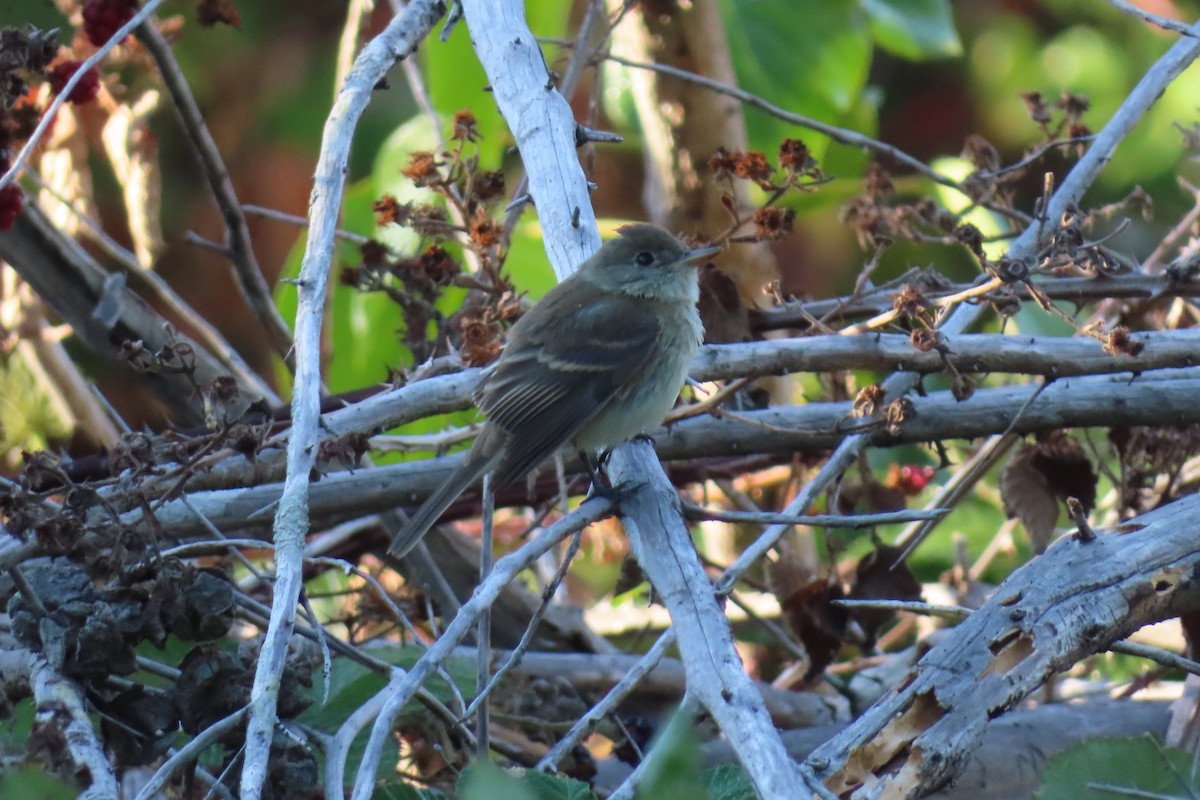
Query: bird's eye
{"points": [[644, 258]]}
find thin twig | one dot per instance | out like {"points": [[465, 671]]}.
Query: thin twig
{"points": [[842, 135], [514, 658], [399, 40], [189, 753], [695, 512], [248, 274], [483, 635], [1154, 19], [1157, 655], [929, 609], [64, 94], [504, 570]]}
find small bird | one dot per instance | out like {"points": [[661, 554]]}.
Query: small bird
{"points": [[597, 362]]}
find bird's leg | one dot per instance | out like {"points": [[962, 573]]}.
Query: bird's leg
{"points": [[600, 486], [593, 470]]}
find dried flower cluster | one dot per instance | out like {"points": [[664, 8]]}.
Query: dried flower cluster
{"points": [[797, 170], [415, 284]]}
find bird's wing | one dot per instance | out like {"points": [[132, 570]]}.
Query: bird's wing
{"points": [[549, 383]]}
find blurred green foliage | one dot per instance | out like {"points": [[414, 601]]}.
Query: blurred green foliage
{"points": [[351, 685], [485, 781], [31, 783], [1106, 768]]}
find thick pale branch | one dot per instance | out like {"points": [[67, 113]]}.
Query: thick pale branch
{"points": [[542, 123], [716, 677], [63, 711], [1167, 398], [104, 313], [1053, 357], [399, 40], [247, 272], [1070, 602], [505, 570], [1080, 291]]}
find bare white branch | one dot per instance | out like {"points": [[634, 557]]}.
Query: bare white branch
{"points": [[397, 41]]}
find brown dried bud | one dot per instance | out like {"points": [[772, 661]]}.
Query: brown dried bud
{"points": [[962, 387], [794, 155], [868, 400], [909, 301], [374, 254], [1074, 105], [981, 153], [211, 12], [1012, 270], [773, 223], [1039, 112], [1119, 343], [752, 166], [390, 210], [422, 168], [481, 345], [970, 236], [722, 163], [489, 185], [878, 182], [924, 340], [465, 127], [897, 413], [438, 265], [485, 232]]}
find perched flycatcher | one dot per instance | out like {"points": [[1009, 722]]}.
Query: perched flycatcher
{"points": [[598, 361]]}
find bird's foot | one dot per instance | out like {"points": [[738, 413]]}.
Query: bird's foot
{"points": [[614, 494]]}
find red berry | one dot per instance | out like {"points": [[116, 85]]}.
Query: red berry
{"points": [[85, 91], [914, 479], [103, 18], [11, 198]]}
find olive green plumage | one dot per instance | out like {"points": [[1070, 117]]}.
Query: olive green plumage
{"points": [[598, 361]]}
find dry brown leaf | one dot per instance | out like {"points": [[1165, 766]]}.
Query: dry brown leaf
{"points": [[133, 152], [68, 177], [878, 576], [1068, 471], [1026, 492], [805, 597]]}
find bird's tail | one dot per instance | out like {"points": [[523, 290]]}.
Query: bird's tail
{"points": [[477, 462]]}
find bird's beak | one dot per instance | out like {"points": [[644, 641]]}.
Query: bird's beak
{"points": [[695, 256]]}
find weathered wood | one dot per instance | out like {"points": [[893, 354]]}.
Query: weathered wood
{"points": [[1063, 606]]}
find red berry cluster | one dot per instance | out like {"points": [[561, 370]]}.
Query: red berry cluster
{"points": [[913, 479], [11, 198], [85, 91], [103, 18]]}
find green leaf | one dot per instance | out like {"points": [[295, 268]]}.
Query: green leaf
{"points": [[555, 787], [457, 82], [31, 783], [483, 780], [387, 178], [351, 684], [1129, 766], [363, 328], [527, 265], [914, 29], [818, 69], [675, 770], [402, 791], [728, 783]]}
